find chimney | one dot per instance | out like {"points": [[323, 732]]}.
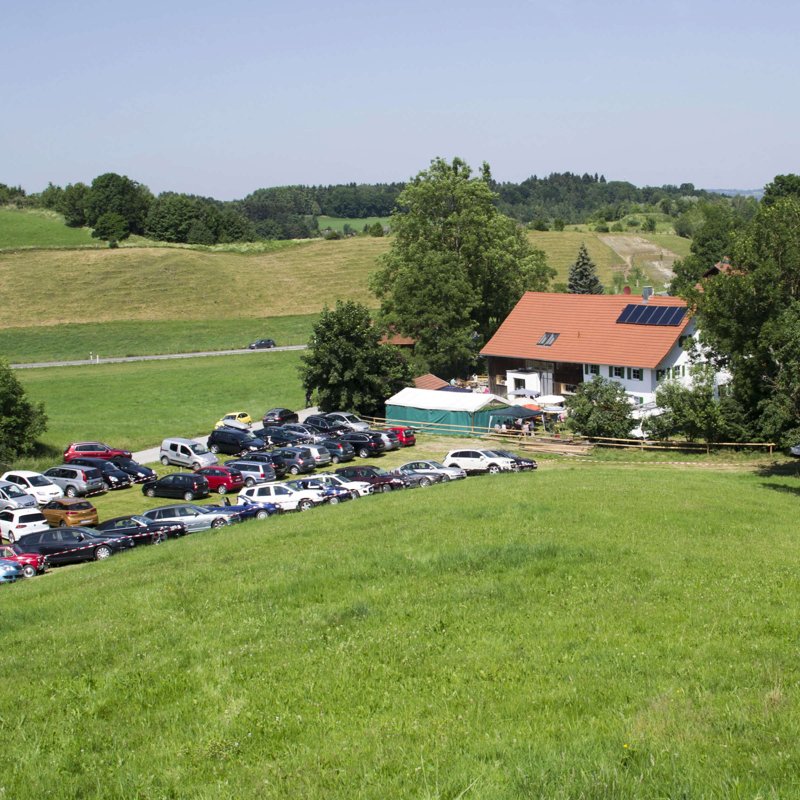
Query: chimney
{"points": [[647, 293]]}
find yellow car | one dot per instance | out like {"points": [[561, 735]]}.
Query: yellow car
{"points": [[241, 417]]}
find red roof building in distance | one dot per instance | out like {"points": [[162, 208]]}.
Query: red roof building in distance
{"points": [[429, 381], [550, 343]]}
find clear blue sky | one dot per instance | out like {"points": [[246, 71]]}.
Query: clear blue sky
{"points": [[222, 98]]}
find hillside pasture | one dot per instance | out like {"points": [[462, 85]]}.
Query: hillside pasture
{"points": [[505, 636], [356, 223], [35, 228], [562, 247], [56, 287]]}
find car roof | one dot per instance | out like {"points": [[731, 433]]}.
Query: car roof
{"points": [[22, 473]]}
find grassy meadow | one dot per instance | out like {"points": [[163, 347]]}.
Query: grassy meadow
{"points": [[40, 228], [357, 224], [549, 643], [74, 341], [135, 405], [562, 247]]}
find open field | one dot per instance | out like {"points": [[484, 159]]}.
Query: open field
{"points": [[135, 405], [53, 287], [357, 224], [561, 248], [40, 228], [677, 244], [527, 636], [74, 341]]}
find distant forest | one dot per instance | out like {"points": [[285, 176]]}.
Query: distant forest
{"points": [[116, 207]]}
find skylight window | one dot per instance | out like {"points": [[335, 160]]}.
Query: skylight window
{"points": [[547, 339]]}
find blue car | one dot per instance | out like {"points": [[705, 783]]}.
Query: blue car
{"points": [[245, 511], [10, 571]]}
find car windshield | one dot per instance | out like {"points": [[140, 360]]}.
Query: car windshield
{"points": [[33, 517], [297, 485], [436, 465], [199, 449], [83, 505], [14, 491], [140, 519], [125, 462], [39, 480], [351, 417]]}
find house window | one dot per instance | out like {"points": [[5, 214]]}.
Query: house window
{"points": [[660, 375], [519, 383], [618, 372], [637, 374], [677, 372], [592, 369], [547, 339]]}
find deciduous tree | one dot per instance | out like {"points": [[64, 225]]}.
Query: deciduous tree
{"points": [[456, 266], [21, 420], [600, 407], [347, 367]]}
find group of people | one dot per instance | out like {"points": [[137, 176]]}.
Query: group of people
{"points": [[519, 426]]}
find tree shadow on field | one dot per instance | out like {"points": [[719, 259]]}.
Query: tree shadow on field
{"points": [[780, 487], [780, 469]]}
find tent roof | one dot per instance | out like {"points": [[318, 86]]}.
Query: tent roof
{"points": [[444, 401], [515, 412]]}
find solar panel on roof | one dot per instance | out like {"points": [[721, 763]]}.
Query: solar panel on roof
{"points": [[637, 314], [626, 312], [656, 315], [641, 314], [677, 316]]}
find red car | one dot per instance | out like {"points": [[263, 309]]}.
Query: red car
{"points": [[222, 479], [93, 450], [31, 563], [406, 436]]}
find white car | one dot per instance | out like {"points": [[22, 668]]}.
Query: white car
{"points": [[16, 523], [447, 473], [283, 496], [356, 488], [13, 496], [478, 461], [348, 420], [43, 489]]}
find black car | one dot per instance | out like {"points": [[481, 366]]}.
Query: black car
{"points": [[279, 416], [339, 450], [282, 437], [113, 476], [364, 443], [380, 479], [234, 442], [138, 473], [73, 545], [522, 464], [323, 424], [263, 458], [261, 344], [185, 485], [141, 529], [295, 459]]}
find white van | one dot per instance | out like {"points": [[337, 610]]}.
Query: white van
{"points": [[186, 453]]}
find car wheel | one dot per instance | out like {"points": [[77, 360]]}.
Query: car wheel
{"points": [[214, 448], [363, 453], [493, 469], [71, 491], [29, 571], [304, 505], [445, 478], [249, 482], [188, 496], [165, 461], [101, 553], [333, 501], [221, 489], [150, 492], [11, 538], [334, 459], [386, 488], [294, 470], [262, 514], [425, 482], [62, 523], [218, 523]]}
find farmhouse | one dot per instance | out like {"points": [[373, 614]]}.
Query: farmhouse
{"points": [[550, 343]]}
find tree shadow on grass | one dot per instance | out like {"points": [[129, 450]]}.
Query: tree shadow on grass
{"points": [[780, 487], [780, 469]]}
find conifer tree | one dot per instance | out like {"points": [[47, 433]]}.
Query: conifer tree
{"points": [[583, 275]]}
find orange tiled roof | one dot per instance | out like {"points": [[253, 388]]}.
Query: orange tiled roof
{"points": [[429, 381], [587, 328]]}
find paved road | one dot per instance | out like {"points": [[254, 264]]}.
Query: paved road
{"points": [[164, 357]]}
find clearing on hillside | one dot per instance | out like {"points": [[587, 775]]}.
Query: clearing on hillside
{"points": [[34, 228]]}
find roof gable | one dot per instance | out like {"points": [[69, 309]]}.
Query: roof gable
{"points": [[586, 330]]}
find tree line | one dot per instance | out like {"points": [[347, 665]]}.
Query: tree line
{"points": [[289, 212]]}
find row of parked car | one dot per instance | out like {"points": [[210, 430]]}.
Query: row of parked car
{"points": [[60, 532]]}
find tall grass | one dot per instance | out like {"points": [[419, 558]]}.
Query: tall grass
{"points": [[574, 633], [40, 228]]}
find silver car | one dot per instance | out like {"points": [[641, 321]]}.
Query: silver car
{"points": [[186, 453], [434, 467], [348, 420], [195, 518], [76, 481], [12, 496]]}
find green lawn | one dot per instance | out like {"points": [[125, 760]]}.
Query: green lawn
{"points": [[562, 247], [74, 341], [502, 637], [677, 244], [40, 228], [356, 223], [135, 405]]}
